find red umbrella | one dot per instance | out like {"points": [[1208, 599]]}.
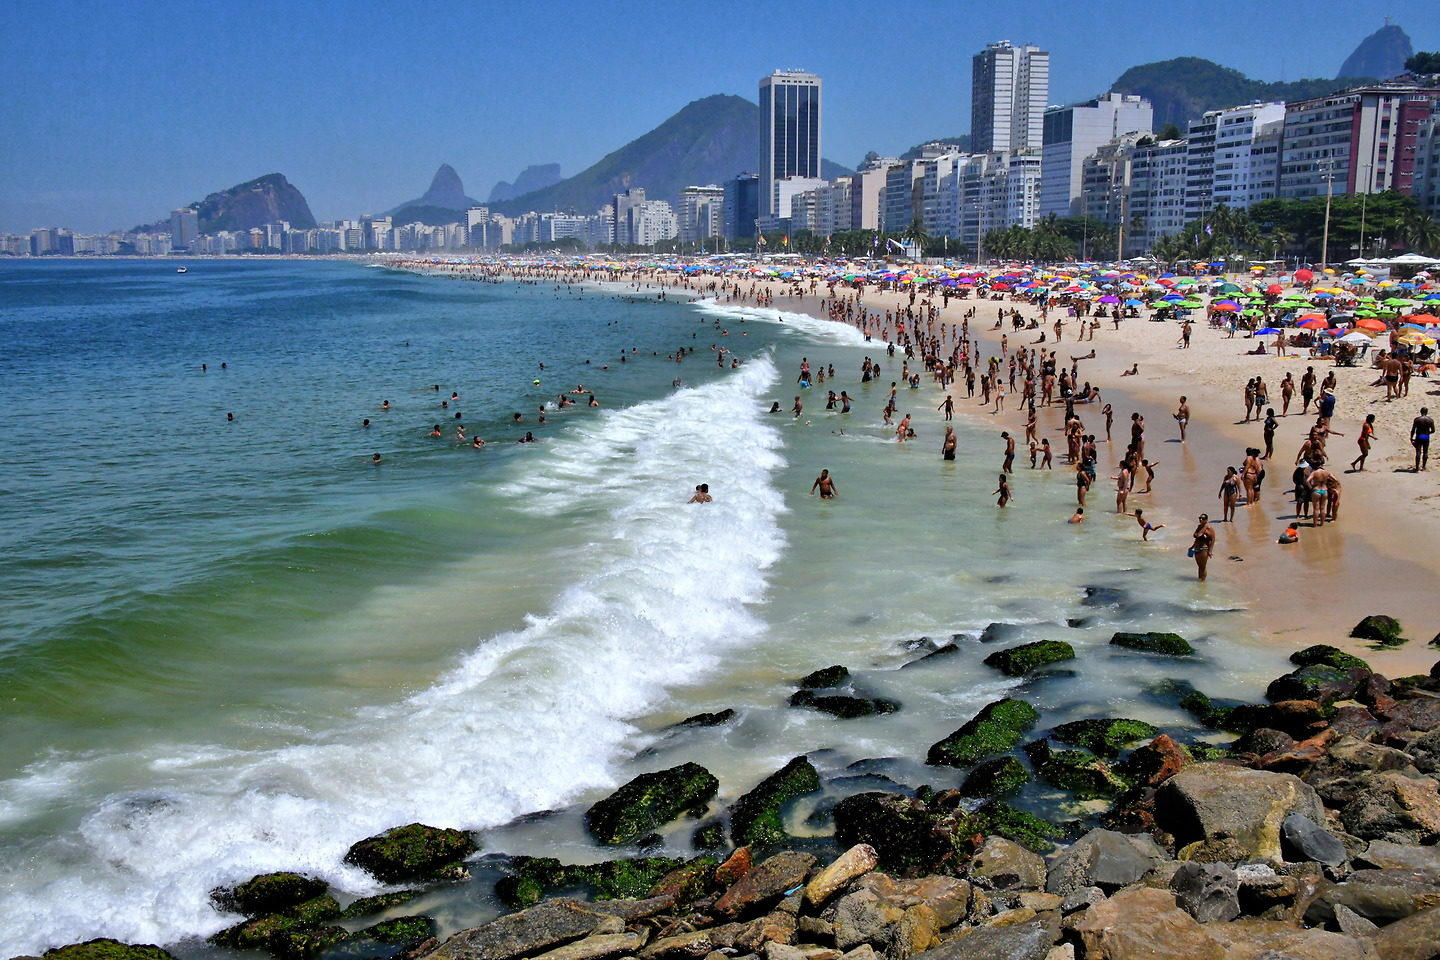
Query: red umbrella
{"points": [[1318, 323], [1274, 288], [1304, 276], [1369, 323], [1424, 319]]}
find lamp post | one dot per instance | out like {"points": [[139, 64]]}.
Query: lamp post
{"points": [[1328, 166], [1364, 196]]}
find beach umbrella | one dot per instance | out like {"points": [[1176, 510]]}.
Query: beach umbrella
{"points": [[1224, 306], [1132, 302], [1229, 288], [1190, 304], [1370, 323], [1417, 339], [1314, 324], [1252, 312], [1304, 276], [1109, 299], [1267, 330], [1424, 319], [1355, 337]]}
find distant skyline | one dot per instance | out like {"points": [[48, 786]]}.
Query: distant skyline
{"points": [[116, 113]]}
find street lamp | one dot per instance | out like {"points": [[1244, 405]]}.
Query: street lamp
{"points": [[1328, 166], [1364, 195]]}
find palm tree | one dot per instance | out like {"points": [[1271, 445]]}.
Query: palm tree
{"points": [[916, 233], [1418, 231]]}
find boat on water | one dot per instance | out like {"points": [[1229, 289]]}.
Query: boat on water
{"points": [[182, 269]]}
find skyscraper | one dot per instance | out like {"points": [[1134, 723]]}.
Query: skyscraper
{"points": [[184, 228], [1011, 86], [789, 130]]}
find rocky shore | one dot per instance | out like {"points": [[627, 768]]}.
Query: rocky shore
{"points": [[1311, 834]]}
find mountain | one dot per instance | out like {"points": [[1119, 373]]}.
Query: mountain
{"points": [[253, 203], [1381, 55], [535, 177], [446, 193], [1182, 89], [961, 143], [708, 141]]}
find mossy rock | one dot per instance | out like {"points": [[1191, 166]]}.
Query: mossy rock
{"points": [[1105, 737], [1083, 774], [1018, 661], [1020, 827], [1379, 629], [533, 877], [710, 835], [268, 893], [279, 933], [304, 944], [412, 852], [1233, 716], [1318, 682], [708, 719], [687, 882], [756, 817], [650, 801], [106, 949], [844, 708], [1326, 655], [910, 838], [1169, 644], [824, 678], [995, 778], [994, 730], [404, 932], [366, 906]]}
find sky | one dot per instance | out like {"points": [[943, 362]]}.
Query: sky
{"points": [[113, 113]]}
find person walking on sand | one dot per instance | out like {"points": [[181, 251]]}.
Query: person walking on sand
{"points": [[1363, 441], [1420, 431], [1203, 545], [1182, 416]]}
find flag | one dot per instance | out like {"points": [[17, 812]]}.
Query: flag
{"points": [[1209, 230], [786, 240], [760, 240]]}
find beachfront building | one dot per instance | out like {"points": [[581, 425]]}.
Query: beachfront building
{"points": [[184, 228], [1361, 140], [867, 193], [1105, 183], [742, 206], [702, 213], [1156, 207], [1009, 91], [1427, 165], [1232, 157], [652, 221], [790, 129], [1075, 132], [978, 192], [823, 210]]}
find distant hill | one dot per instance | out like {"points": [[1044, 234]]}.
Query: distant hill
{"points": [[253, 203], [1381, 55], [1184, 88], [446, 193], [534, 177], [708, 141], [962, 143]]}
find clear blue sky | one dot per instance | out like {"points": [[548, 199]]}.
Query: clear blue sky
{"points": [[112, 113]]}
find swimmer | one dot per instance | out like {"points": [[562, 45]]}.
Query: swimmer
{"points": [[385, 405], [375, 458], [229, 418], [1004, 492], [528, 438], [476, 443], [365, 423], [1078, 516], [1145, 526], [702, 494], [826, 485], [435, 431]]}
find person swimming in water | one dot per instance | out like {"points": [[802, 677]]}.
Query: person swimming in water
{"points": [[702, 494], [826, 485]]}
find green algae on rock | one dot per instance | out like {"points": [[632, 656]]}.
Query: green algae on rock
{"points": [[1379, 629], [104, 948], [1018, 661], [267, 893], [756, 817], [1168, 644], [412, 852], [995, 778], [994, 730], [1326, 655], [533, 877], [1105, 737], [649, 801]]}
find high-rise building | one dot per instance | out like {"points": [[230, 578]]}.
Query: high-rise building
{"points": [[184, 228], [701, 213], [1231, 157], [624, 203], [742, 206], [789, 131], [1361, 140], [1010, 90], [867, 193], [1076, 132]]}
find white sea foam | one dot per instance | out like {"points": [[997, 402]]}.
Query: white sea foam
{"points": [[825, 331], [527, 721]]}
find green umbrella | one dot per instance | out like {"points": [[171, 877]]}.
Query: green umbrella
{"points": [[1189, 304]]}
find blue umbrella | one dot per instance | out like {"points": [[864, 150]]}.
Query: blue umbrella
{"points": [[1265, 331]]}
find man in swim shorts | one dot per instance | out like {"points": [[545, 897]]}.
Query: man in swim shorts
{"points": [[1420, 431]]}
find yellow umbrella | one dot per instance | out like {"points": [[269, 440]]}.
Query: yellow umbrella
{"points": [[1417, 340]]}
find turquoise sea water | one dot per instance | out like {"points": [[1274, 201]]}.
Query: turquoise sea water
{"points": [[228, 647]]}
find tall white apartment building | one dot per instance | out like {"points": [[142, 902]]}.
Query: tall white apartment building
{"points": [[1010, 90]]}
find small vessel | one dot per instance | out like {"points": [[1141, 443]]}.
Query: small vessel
{"points": [[182, 269]]}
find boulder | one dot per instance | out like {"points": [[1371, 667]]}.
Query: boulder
{"points": [[1303, 839], [365, 906], [843, 707], [1104, 859], [1323, 653], [1391, 806], [850, 865], [1379, 629], [1083, 774], [649, 801], [765, 884], [708, 719], [694, 945], [1153, 763], [268, 893], [686, 883], [710, 835], [404, 932], [1143, 923], [1317, 682], [1024, 828], [1380, 896], [532, 877], [1169, 644], [779, 926], [901, 830], [1001, 864], [1384, 855], [1215, 801], [1252, 939], [1029, 940], [1209, 892], [596, 947], [996, 777], [735, 866], [412, 852], [106, 949], [898, 918], [1018, 661], [1424, 752], [540, 928], [1105, 737], [994, 730], [1416, 937], [756, 817], [824, 678]]}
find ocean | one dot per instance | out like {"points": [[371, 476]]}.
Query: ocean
{"points": [[229, 647]]}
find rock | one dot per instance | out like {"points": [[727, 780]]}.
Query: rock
{"points": [[1030, 940], [1000, 864], [404, 932], [537, 929], [1213, 800], [687, 883], [1384, 855], [843, 707], [776, 927], [996, 777], [1040, 902], [765, 884], [532, 877], [1153, 763], [268, 893], [710, 835], [1026, 829], [1381, 896], [593, 948], [951, 900], [1081, 773], [649, 801], [1065, 951], [1303, 839], [901, 830], [936, 654], [1416, 937], [708, 719], [756, 817], [1302, 718], [1104, 859], [412, 852], [1329, 656], [824, 678], [1081, 898], [994, 730], [106, 949], [1391, 806], [853, 863], [1380, 629], [1018, 661], [783, 951], [365, 906], [1169, 644], [1316, 682], [1352, 923], [1105, 737], [1209, 892], [735, 866], [1143, 923], [1252, 939], [696, 944]]}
